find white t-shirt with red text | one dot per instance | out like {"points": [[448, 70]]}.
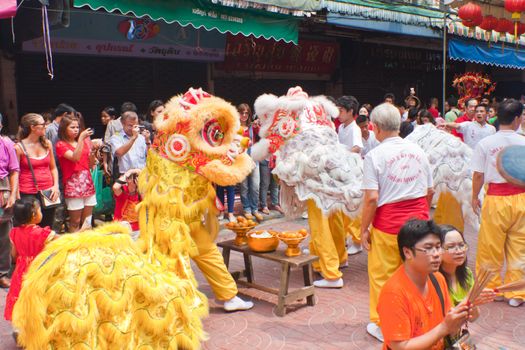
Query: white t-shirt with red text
{"points": [[473, 132], [485, 154], [399, 169]]}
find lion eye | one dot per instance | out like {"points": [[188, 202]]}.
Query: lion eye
{"points": [[212, 133]]}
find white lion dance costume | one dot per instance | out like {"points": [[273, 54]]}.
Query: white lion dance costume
{"points": [[316, 171], [449, 160], [99, 290]]}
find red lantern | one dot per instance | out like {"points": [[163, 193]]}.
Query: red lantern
{"points": [[470, 14], [521, 29], [489, 23], [504, 26], [515, 6]]}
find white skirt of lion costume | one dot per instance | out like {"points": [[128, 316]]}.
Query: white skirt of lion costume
{"points": [[449, 160]]}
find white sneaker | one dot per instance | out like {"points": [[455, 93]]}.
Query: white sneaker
{"points": [[329, 284], [354, 248], [231, 217], [221, 216], [237, 304], [515, 302], [375, 331], [343, 265], [305, 215]]}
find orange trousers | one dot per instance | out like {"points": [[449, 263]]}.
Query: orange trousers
{"points": [[502, 238], [327, 241], [448, 211], [383, 261]]}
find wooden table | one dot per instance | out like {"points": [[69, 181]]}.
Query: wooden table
{"points": [[284, 297]]}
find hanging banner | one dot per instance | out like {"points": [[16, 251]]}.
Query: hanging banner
{"points": [[97, 33], [259, 55]]}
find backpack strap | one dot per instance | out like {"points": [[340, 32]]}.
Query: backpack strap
{"points": [[439, 292]]}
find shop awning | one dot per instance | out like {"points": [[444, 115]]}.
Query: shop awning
{"points": [[293, 7], [203, 14], [480, 52], [382, 11], [383, 26]]}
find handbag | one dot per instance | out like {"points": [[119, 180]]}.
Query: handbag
{"points": [[104, 194], [44, 195], [462, 341], [5, 193]]}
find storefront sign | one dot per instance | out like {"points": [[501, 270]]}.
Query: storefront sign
{"points": [[94, 33], [248, 54]]}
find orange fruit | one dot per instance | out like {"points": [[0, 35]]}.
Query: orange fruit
{"points": [[240, 218]]}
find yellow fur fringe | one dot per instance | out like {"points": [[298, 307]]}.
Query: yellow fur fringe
{"points": [[174, 197], [94, 290]]}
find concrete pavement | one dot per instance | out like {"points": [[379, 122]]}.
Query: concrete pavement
{"points": [[338, 320]]}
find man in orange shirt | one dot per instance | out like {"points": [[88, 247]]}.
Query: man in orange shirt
{"points": [[412, 313]]}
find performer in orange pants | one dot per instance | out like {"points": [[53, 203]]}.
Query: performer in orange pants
{"points": [[397, 184], [502, 231]]}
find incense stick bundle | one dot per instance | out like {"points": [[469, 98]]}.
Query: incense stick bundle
{"points": [[481, 281], [510, 287]]}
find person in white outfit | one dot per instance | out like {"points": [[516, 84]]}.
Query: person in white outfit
{"points": [[475, 130], [368, 136]]}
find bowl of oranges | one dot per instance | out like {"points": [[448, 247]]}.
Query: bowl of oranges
{"points": [[292, 239], [262, 241], [241, 227]]}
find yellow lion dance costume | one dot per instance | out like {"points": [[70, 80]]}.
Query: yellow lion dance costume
{"points": [[100, 290]]}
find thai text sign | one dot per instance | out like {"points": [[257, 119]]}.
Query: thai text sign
{"points": [[250, 54]]}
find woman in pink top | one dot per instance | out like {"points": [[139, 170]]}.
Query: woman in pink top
{"points": [[75, 157], [40, 151]]}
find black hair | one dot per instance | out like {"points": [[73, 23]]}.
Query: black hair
{"points": [[391, 96], [128, 107], [63, 108], [111, 111], [24, 209], [348, 103], [462, 270], [425, 113], [509, 110], [452, 101], [413, 231], [152, 107], [361, 119], [484, 106]]}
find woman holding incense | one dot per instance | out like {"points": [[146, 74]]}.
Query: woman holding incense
{"points": [[454, 267]]}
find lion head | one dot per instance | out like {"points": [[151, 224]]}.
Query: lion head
{"points": [[282, 118], [200, 132]]}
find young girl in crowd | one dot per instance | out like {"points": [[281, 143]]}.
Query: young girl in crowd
{"points": [[75, 158], [250, 185], [127, 197], [27, 241]]}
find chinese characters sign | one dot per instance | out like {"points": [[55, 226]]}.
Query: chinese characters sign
{"points": [[250, 54]]}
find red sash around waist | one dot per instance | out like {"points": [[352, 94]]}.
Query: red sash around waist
{"points": [[504, 189], [390, 217]]}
